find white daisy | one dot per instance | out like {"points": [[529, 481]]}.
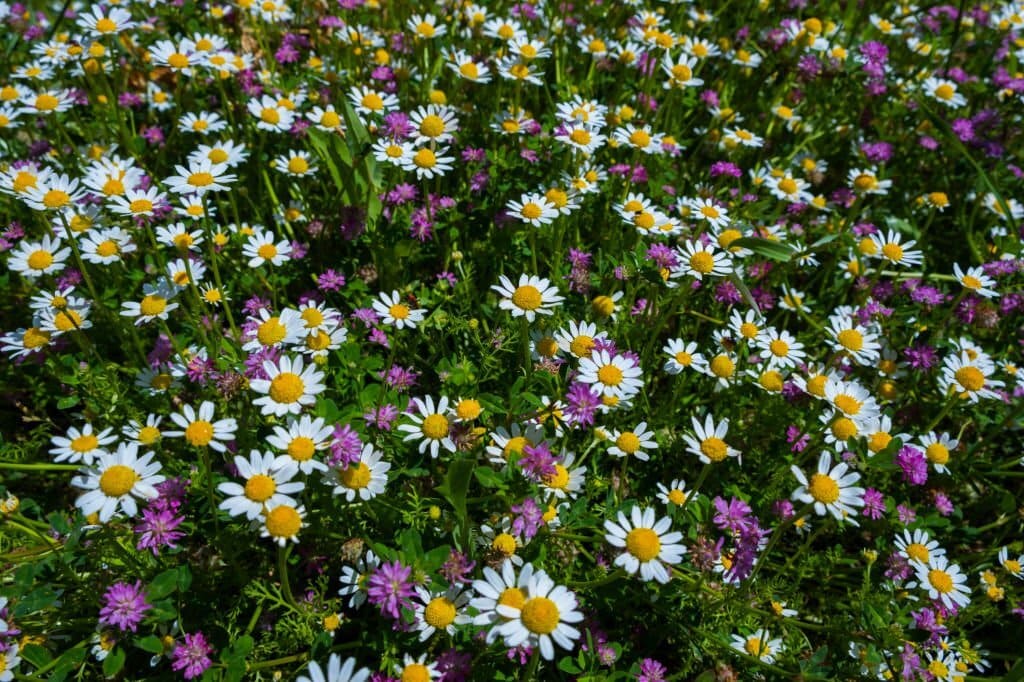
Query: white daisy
{"points": [[830, 489], [302, 438], [432, 427], [268, 482], [758, 644], [942, 581], [116, 480], [289, 388], [394, 312], [633, 443], [81, 445], [440, 612], [708, 442], [335, 671], [200, 430], [533, 296], [366, 478], [499, 589], [649, 547], [542, 619], [282, 523], [617, 376]]}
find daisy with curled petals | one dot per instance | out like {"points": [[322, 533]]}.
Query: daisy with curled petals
{"points": [[262, 248], [758, 644], [532, 209], [270, 115], [892, 248], [268, 482], [708, 440], [394, 312], [335, 671], [282, 523], [937, 448], [430, 426], [440, 611], [917, 547], [289, 387], [846, 336], [542, 619], [699, 260], [649, 547], [301, 440], [681, 356], [943, 581], [969, 379], [81, 445], [499, 589], [617, 376], [830, 489], [116, 480], [365, 478], [976, 281], [200, 430], [633, 443], [533, 296], [199, 178]]}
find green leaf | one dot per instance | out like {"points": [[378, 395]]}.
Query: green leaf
{"points": [[36, 600], [456, 486], [151, 643], [68, 661], [235, 657], [567, 665], [489, 478], [764, 247], [163, 584], [36, 655], [69, 401], [113, 663]]}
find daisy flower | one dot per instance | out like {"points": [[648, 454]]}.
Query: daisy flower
{"points": [[917, 547], [566, 481], [335, 671], [649, 548], [176, 58], [507, 446], [937, 448], [682, 356], [429, 426], [425, 26], [199, 178], [155, 304], [296, 163], [699, 260], [617, 376], [675, 493], [289, 387], [366, 478], [542, 619], [499, 589], [137, 202], [180, 237], [639, 138], [144, 434], [282, 523], [468, 68], [864, 181], [275, 331], [200, 430], [394, 312], [632, 443], [741, 137], [434, 124], [268, 482], [201, 123], [440, 612], [34, 259], [63, 321], [56, 193], [227, 153], [532, 209], [261, 248], [116, 480], [830, 489], [582, 137], [417, 669], [498, 541], [1013, 566], [429, 163], [708, 442], [103, 23], [578, 338], [368, 101], [327, 119], [970, 379], [270, 115], [891, 248], [976, 281], [24, 342], [944, 91], [850, 338], [852, 399], [533, 296], [46, 102], [81, 445], [758, 644], [353, 579], [780, 348], [943, 582], [391, 151], [301, 440], [790, 189], [706, 209], [680, 72]]}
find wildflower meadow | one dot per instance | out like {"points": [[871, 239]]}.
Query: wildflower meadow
{"points": [[349, 340]]}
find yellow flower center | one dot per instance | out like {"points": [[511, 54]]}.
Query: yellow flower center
{"points": [[200, 179], [177, 61], [603, 306], [940, 580], [879, 441], [356, 477], [771, 381], [148, 435], [416, 672], [66, 320], [424, 158], [937, 453], [844, 429], [823, 488], [582, 346], [784, 112], [714, 448], [283, 522], [199, 433], [893, 252], [513, 597], [779, 348], [628, 442], [531, 211], [84, 443], [945, 91], [46, 102], [399, 311], [683, 358], [440, 613], [287, 387], [788, 186], [468, 409], [676, 497], [722, 367], [313, 317], [848, 404], [425, 29], [971, 378], [260, 488], [56, 198], [703, 262], [971, 282], [609, 375], [271, 332], [435, 427], [270, 115], [301, 448], [152, 305], [217, 156], [140, 206], [918, 552], [580, 136], [469, 70], [643, 543], [432, 126], [514, 446], [639, 138], [34, 337], [40, 260], [682, 72], [298, 165], [540, 615], [267, 252], [851, 339], [160, 382], [559, 479], [754, 646], [106, 25], [113, 187], [547, 347], [506, 544], [865, 182], [527, 297], [710, 212], [118, 480]]}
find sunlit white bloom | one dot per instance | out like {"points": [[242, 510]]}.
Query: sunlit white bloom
{"points": [[365, 478], [116, 481], [289, 388], [648, 546], [830, 489], [268, 482]]}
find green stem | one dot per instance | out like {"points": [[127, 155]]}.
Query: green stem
{"points": [[282, 567]]}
